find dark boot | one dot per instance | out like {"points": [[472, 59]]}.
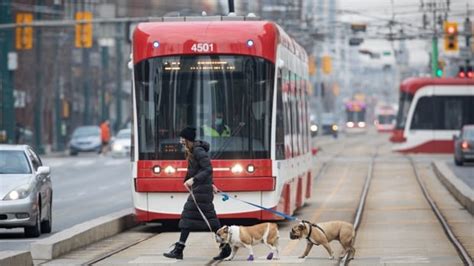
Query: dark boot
{"points": [[225, 252], [177, 252]]}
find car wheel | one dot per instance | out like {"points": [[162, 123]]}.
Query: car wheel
{"points": [[47, 225], [73, 153], [35, 230]]}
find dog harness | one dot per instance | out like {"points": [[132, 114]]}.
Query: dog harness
{"points": [[311, 230]]}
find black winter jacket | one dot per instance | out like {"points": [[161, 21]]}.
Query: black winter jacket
{"points": [[201, 170]]}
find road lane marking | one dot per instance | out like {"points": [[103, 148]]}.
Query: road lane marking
{"points": [[116, 162], [83, 163]]}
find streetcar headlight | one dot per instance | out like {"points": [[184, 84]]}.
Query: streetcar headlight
{"points": [[170, 169], [237, 169], [335, 127], [250, 43], [156, 169], [350, 124], [314, 128], [250, 168], [361, 124], [156, 44]]}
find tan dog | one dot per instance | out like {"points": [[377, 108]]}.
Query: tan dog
{"points": [[248, 236], [323, 233]]}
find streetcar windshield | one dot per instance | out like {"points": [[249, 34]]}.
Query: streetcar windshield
{"points": [[386, 119], [228, 99], [355, 116], [403, 108]]}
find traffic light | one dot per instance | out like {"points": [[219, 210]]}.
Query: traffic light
{"points": [[440, 70], [461, 73], [469, 72], [24, 34], [326, 64], [84, 30], [451, 36]]}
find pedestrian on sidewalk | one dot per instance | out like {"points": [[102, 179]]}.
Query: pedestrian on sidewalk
{"points": [[199, 180], [105, 136]]}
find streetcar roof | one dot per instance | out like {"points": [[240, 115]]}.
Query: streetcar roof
{"points": [[411, 85], [152, 39]]}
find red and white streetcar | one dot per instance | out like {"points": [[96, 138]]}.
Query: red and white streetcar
{"points": [[247, 77], [385, 118], [431, 111]]}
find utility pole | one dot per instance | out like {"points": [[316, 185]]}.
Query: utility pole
{"points": [[105, 66], [231, 6], [119, 71], [434, 6], [7, 108], [59, 144], [38, 119]]}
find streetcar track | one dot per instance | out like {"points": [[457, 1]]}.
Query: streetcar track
{"points": [[363, 197], [324, 166], [463, 254], [460, 249], [115, 251]]}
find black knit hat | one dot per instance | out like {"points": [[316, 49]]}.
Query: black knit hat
{"points": [[188, 133]]}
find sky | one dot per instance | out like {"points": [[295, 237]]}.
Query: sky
{"points": [[409, 16]]}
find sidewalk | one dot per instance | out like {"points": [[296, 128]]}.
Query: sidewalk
{"points": [[461, 188]]}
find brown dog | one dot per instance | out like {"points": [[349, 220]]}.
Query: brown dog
{"points": [[323, 233], [248, 236]]}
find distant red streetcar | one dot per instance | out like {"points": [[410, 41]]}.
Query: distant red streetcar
{"points": [[246, 76], [431, 111], [385, 118]]}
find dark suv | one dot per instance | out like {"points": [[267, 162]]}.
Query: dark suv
{"points": [[464, 145]]}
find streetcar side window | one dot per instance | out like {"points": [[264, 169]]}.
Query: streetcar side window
{"points": [[280, 130], [424, 114], [454, 112]]}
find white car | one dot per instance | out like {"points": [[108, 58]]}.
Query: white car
{"points": [[120, 145], [26, 193]]}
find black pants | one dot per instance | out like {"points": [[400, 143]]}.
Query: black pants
{"points": [[185, 234]]}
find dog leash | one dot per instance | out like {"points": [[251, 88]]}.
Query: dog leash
{"points": [[226, 196]]}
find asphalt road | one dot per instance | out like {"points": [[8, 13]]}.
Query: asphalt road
{"points": [[84, 187]]}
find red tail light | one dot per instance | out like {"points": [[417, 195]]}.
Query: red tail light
{"points": [[465, 145]]}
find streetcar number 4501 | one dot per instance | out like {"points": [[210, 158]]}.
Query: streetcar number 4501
{"points": [[202, 47]]}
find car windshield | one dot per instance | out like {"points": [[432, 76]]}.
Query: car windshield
{"points": [[468, 133], [327, 119], [86, 132], [124, 134], [14, 162]]}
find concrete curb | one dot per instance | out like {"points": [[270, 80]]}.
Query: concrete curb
{"points": [[82, 235], [13, 258], [458, 189]]}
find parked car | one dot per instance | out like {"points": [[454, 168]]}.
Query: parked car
{"points": [[26, 192], [121, 143], [464, 145], [85, 139]]}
